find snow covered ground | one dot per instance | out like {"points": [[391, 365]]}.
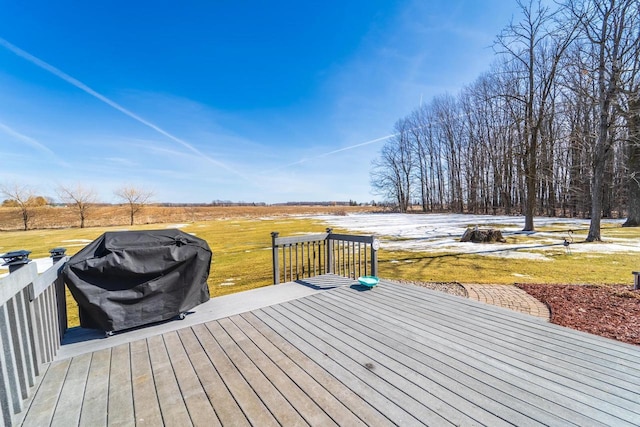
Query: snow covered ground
{"points": [[442, 232]]}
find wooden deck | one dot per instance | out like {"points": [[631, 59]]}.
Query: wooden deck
{"points": [[393, 355]]}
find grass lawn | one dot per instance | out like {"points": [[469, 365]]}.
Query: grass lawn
{"points": [[242, 256]]}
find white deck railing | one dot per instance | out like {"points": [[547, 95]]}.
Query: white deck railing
{"points": [[33, 319]]}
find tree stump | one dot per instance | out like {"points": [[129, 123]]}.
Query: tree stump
{"points": [[475, 235]]}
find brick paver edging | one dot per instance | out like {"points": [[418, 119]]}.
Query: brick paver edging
{"points": [[508, 296]]}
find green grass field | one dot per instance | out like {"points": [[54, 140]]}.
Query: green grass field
{"points": [[242, 256]]}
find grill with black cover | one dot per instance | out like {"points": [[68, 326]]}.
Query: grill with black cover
{"points": [[127, 279]]}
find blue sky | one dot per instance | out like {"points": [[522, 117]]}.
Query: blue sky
{"points": [[216, 100]]}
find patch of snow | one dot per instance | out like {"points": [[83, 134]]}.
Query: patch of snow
{"points": [[442, 232], [228, 282]]}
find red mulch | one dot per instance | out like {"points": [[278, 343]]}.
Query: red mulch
{"points": [[608, 311]]}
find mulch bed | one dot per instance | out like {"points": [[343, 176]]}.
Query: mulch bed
{"points": [[608, 311]]}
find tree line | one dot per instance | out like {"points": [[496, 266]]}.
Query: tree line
{"points": [[552, 128], [81, 197]]}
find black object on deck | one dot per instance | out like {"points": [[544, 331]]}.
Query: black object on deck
{"points": [[127, 279]]}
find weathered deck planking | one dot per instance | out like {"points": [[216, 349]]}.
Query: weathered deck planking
{"points": [[94, 409], [120, 398], [78, 340], [393, 355], [220, 398], [197, 403], [145, 399], [339, 402]]}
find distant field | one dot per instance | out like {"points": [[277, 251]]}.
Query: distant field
{"points": [[113, 215]]}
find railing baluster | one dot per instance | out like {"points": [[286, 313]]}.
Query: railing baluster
{"points": [[28, 322], [284, 261], [13, 313], [46, 305], [9, 368], [290, 264], [42, 329], [315, 260], [365, 260], [301, 276]]}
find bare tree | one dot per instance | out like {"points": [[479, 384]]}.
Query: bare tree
{"points": [[80, 196], [392, 175], [536, 44], [630, 106], [135, 197], [610, 28], [633, 179], [24, 198]]}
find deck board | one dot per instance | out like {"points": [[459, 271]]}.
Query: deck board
{"points": [[220, 398], [370, 387], [120, 398], [306, 408], [342, 355], [341, 402], [145, 400], [250, 404], [42, 408], [170, 399], [94, 407], [72, 393], [271, 397], [200, 410]]}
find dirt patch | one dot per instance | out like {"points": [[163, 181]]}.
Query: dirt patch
{"points": [[609, 311]]}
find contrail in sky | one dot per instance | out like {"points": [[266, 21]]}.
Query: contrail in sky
{"points": [[32, 142], [64, 76], [351, 147]]}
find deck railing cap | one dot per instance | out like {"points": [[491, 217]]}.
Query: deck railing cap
{"points": [[16, 257], [57, 252]]}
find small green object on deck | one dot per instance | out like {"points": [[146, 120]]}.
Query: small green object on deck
{"points": [[368, 281]]}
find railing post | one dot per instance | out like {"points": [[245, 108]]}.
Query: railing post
{"points": [[329, 251], [16, 259], [375, 245], [57, 254], [61, 296], [274, 256]]}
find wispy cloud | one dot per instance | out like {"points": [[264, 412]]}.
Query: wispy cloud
{"points": [[119, 161], [329, 153], [31, 142], [83, 87]]}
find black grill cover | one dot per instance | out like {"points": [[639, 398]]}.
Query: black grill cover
{"points": [[131, 278]]}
